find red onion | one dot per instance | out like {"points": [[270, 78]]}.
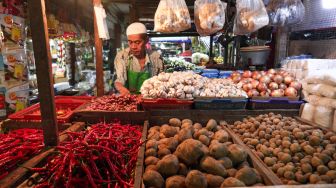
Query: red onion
{"points": [[271, 71], [291, 92], [277, 93], [247, 74], [273, 86], [247, 87], [282, 86], [263, 73], [297, 85], [264, 94], [288, 80], [278, 79], [265, 79], [256, 75], [262, 87], [255, 84], [252, 93]]}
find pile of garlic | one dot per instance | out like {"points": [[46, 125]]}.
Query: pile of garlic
{"points": [[188, 85]]}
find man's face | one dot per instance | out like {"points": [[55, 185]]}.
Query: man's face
{"points": [[137, 44]]}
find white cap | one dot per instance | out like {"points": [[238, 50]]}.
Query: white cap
{"points": [[136, 28]]}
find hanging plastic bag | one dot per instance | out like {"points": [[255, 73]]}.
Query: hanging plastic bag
{"points": [[209, 16], [172, 16], [251, 16], [285, 12]]}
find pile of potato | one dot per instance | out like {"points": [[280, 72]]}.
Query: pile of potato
{"points": [[297, 153], [186, 154]]}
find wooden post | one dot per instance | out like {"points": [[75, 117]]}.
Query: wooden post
{"points": [[39, 31], [72, 81], [99, 55]]}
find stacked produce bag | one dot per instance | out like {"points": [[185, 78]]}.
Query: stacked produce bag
{"points": [[209, 16], [319, 89], [172, 16]]}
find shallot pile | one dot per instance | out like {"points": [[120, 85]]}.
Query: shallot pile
{"points": [[267, 83], [18, 146], [104, 155], [296, 152], [114, 103], [187, 85]]}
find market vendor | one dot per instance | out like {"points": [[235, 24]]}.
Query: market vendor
{"points": [[135, 64]]}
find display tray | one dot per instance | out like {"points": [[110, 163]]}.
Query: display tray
{"points": [[23, 179], [22, 172], [257, 103], [237, 139], [268, 176], [65, 106], [166, 104], [229, 103]]}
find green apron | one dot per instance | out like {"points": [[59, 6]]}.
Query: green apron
{"points": [[135, 79]]}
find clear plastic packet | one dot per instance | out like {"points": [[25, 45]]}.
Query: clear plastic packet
{"points": [[251, 16], [285, 12], [209, 16], [172, 16]]}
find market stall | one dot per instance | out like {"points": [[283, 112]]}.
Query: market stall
{"points": [[221, 120]]}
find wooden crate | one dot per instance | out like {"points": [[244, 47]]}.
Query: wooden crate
{"points": [[136, 117], [201, 116], [18, 175], [268, 176], [13, 125], [138, 168], [257, 158]]}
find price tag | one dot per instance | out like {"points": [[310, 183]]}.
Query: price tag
{"points": [[20, 105], [18, 70], [16, 33]]}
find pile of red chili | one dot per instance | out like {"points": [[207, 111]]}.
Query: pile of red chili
{"points": [[114, 103], [18, 146], [103, 155]]}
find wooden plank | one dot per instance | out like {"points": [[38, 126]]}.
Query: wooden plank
{"points": [[13, 125], [140, 160], [313, 124], [21, 173], [99, 55], [39, 31], [105, 116], [268, 175]]}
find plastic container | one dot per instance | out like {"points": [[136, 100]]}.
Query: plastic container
{"points": [[166, 104], [65, 107], [259, 103], [231, 103], [210, 75]]}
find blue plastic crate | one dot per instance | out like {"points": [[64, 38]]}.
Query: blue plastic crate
{"points": [[259, 103], [220, 103]]}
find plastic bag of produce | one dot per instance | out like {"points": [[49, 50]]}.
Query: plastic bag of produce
{"points": [[321, 101], [321, 90], [209, 16], [324, 116], [334, 122], [308, 112], [285, 12], [172, 16], [251, 16]]}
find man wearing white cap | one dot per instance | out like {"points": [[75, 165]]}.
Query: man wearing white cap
{"points": [[135, 64]]}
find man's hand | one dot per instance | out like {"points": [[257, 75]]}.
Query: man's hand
{"points": [[121, 89]]}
